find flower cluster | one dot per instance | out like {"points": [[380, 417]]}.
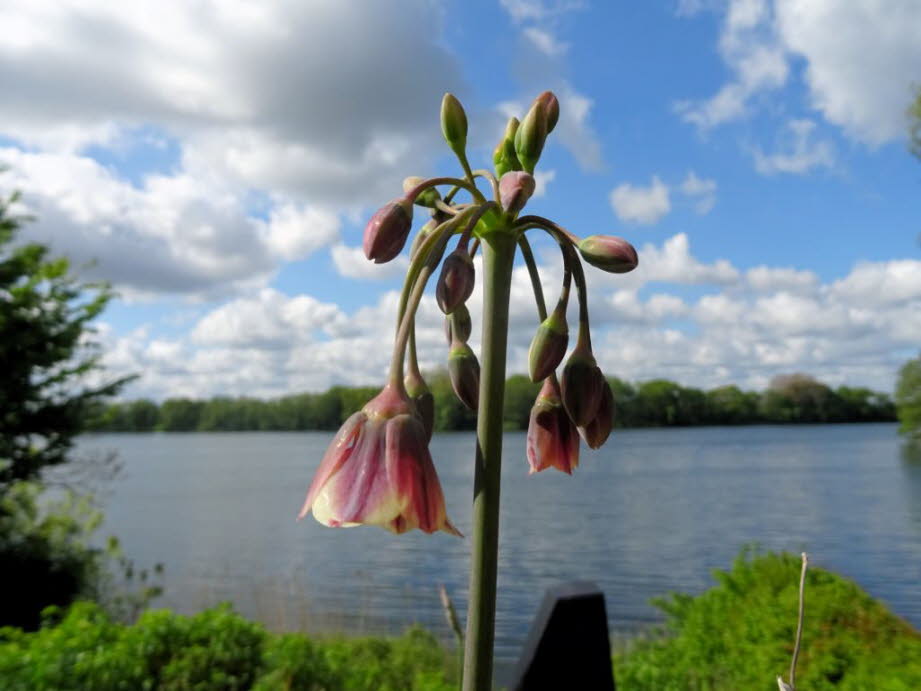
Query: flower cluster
{"points": [[378, 469]]}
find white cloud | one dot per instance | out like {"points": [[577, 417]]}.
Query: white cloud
{"points": [[534, 10], [542, 178], [745, 329], [545, 42], [701, 190], [351, 262], [646, 205], [801, 152], [860, 61]]}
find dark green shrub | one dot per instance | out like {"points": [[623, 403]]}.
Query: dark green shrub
{"points": [[739, 635]]}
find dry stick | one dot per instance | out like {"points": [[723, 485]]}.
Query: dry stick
{"points": [[454, 623], [799, 629]]}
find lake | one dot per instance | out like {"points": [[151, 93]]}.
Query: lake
{"points": [[653, 511]]}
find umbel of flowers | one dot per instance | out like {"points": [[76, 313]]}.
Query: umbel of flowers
{"points": [[378, 469]]}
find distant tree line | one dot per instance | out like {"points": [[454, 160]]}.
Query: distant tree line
{"points": [[657, 403]]}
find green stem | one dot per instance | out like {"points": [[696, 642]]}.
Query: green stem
{"points": [[536, 286], [498, 260]]}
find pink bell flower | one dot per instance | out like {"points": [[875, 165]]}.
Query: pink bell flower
{"points": [[552, 437], [378, 471]]}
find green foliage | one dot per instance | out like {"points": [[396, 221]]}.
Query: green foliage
{"points": [[44, 557], [795, 398], [45, 357], [908, 398], [739, 635], [215, 649]]}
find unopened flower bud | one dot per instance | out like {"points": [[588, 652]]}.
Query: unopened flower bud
{"points": [[504, 156], [423, 400], [548, 346], [455, 284], [458, 325], [597, 431], [551, 108], [581, 384], [609, 253], [515, 189], [453, 123], [530, 137], [464, 372], [387, 230], [427, 197]]}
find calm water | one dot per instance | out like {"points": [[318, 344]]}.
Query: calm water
{"points": [[653, 511]]}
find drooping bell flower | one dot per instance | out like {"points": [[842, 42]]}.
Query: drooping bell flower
{"points": [[609, 253], [597, 431], [582, 385], [378, 471], [552, 437], [387, 230]]}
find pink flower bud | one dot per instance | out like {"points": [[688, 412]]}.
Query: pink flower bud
{"points": [[548, 346], [515, 189], [464, 372], [609, 253], [455, 284], [597, 431], [582, 384], [551, 109], [378, 471], [552, 438], [387, 230]]}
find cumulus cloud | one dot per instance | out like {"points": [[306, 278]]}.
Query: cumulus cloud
{"points": [[860, 60], [745, 328], [638, 204], [544, 41], [799, 152], [351, 262], [701, 190]]}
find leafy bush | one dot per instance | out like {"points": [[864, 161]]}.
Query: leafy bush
{"points": [[739, 635], [215, 649]]}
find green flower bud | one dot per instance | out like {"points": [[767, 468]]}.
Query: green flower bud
{"points": [[582, 386], [504, 156], [597, 431], [458, 325], [464, 372], [609, 253], [548, 346], [427, 197], [455, 284], [453, 123], [423, 399], [530, 137]]}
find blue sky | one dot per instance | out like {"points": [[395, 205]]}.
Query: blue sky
{"points": [[217, 162]]}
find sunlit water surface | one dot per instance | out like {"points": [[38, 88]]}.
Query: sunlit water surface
{"points": [[653, 511]]}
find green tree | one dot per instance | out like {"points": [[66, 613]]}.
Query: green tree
{"points": [[47, 362], [908, 398]]}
